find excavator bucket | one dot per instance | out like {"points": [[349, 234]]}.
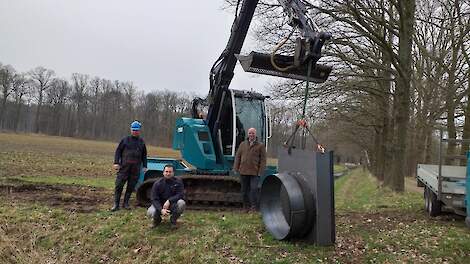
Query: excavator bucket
{"points": [[261, 63]]}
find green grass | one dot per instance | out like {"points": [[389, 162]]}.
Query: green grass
{"points": [[359, 191], [373, 224], [339, 168]]}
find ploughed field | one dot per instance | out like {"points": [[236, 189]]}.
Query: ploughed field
{"points": [[55, 194]]}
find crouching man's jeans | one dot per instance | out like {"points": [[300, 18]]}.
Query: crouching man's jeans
{"points": [[176, 209]]}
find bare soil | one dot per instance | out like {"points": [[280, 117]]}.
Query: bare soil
{"points": [[69, 197]]}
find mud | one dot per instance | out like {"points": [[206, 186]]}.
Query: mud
{"points": [[68, 197]]}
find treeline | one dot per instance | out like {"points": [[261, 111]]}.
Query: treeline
{"points": [[401, 70], [38, 101], [83, 106]]}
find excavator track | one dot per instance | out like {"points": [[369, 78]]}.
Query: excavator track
{"points": [[214, 192]]}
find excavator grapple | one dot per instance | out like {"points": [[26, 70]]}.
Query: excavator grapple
{"points": [[260, 63]]}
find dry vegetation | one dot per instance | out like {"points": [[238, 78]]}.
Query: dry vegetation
{"points": [[55, 194]]}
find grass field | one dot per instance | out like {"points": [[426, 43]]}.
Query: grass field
{"points": [[55, 194]]}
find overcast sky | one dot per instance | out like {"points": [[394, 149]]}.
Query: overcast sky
{"points": [[155, 44]]}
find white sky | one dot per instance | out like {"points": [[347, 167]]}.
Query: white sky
{"points": [[155, 44]]}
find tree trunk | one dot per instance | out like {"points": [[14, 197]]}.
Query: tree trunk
{"points": [[466, 129], [413, 152], [403, 91], [38, 113], [428, 152], [17, 114], [383, 149], [2, 113]]}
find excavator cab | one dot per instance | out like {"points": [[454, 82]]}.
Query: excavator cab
{"points": [[244, 109], [241, 110]]}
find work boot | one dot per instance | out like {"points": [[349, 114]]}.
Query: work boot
{"points": [[156, 221], [117, 197], [173, 226], [173, 219], [115, 207], [125, 204]]}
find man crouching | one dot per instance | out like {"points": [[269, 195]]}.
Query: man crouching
{"points": [[167, 198]]}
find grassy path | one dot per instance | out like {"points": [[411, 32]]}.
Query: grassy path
{"points": [[360, 191]]}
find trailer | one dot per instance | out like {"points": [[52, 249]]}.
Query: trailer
{"points": [[446, 187]]}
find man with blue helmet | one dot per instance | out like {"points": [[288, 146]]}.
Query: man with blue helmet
{"points": [[130, 156]]}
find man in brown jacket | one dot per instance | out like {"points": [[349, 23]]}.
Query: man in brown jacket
{"points": [[250, 162]]}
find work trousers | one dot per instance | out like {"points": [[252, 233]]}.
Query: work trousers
{"points": [[176, 209], [127, 173], [250, 190]]}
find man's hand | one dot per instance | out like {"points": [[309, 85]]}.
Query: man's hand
{"points": [[165, 212], [166, 205], [144, 169], [116, 166]]}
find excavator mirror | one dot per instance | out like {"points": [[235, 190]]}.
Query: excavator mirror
{"points": [[261, 63]]}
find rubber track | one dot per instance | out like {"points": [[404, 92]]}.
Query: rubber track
{"points": [[204, 192]]}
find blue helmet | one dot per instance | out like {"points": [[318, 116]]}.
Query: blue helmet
{"points": [[136, 125]]}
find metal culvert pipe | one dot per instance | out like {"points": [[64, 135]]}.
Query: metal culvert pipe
{"points": [[287, 205]]}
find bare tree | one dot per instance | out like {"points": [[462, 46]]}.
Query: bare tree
{"points": [[7, 73], [96, 108], [41, 78], [21, 87], [58, 96], [79, 98], [96, 85], [129, 91], [372, 58]]}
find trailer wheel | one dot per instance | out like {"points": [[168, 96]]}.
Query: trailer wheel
{"points": [[426, 199], [434, 204]]}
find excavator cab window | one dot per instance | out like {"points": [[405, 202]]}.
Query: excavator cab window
{"points": [[250, 112], [226, 127]]}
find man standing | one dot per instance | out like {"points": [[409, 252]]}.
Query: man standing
{"points": [[167, 197], [130, 156], [250, 162]]}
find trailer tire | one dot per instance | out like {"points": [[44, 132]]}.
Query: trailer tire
{"points": [[434, 204], [426, 199]]}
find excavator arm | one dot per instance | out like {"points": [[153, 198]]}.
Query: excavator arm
{"points": [[308, 50]]}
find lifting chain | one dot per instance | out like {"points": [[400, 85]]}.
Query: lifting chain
{"points": [[302, 123]]}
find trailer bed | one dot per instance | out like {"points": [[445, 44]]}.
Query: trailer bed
{"points": [[453, 178]]}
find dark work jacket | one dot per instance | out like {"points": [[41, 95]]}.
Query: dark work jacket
{"points": [[167, 189], [131, 150]]}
